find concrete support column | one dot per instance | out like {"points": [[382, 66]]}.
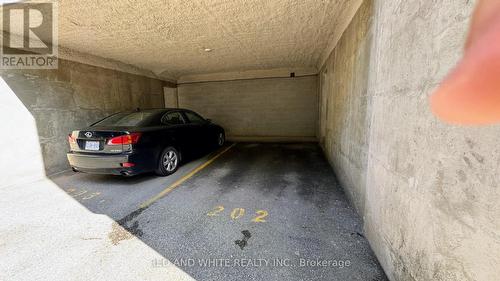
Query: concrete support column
{"points": [[171, 97]]}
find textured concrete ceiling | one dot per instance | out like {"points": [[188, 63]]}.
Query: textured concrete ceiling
{"points": [[169, 37]]}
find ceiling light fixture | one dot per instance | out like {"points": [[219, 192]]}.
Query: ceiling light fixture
{"points": [[207, 50]]}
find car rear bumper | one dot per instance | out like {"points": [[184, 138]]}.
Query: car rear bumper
{"points": [[101, 164]]}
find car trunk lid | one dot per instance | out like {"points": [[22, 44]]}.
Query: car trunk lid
{"points": [[94, 140]]}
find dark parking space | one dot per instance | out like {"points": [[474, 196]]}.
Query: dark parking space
{"points": [[258, 212]]}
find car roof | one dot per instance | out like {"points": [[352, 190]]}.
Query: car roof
{"points": [[156, 110]]}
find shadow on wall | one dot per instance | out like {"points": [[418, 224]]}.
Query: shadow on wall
{"points": [[33, 207]]}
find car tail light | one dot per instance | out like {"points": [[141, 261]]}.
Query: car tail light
{"points": [[71, 139], [127, 165], [132, 138]]}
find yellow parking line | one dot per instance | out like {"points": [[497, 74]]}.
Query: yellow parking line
{"points": [[184, 178]]}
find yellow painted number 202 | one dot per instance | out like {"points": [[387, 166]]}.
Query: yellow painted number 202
{"points": [[237, 213]]}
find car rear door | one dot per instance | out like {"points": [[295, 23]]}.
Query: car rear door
{"points": [[178, 129]]}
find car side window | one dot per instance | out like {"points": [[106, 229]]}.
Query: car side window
{"points": [[173, 118], [194, 118]]}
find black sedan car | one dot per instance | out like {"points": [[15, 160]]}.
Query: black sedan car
{"points": [[129, 143]]}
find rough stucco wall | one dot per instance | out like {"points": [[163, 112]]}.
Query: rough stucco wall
{"points": [[257, 109], [431, 190], [432, 200], [344, 120], [74, 96]]}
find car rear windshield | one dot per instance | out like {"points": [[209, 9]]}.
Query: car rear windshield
{"points": [[126, 119]]}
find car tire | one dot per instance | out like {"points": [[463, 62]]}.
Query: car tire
{"points": [[169, 162], [221, 139]]}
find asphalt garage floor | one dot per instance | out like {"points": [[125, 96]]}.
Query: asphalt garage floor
{"points": [[256, 212]]}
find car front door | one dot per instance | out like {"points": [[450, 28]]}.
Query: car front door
{"points": [[198, 128]]}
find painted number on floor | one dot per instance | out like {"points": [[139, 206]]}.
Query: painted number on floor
{"points": [[82, 194], [261, 214], [238, 213], [215, 211]]}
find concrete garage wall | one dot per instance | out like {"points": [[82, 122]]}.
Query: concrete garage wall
{"points": [[270, 109], [74, 96], [428, 191], [344, 120]]}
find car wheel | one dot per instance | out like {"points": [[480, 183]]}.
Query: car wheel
{"points": [[221, 139], [169, 162]]}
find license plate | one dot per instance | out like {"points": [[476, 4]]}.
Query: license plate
{"points": [[91, 145]]}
